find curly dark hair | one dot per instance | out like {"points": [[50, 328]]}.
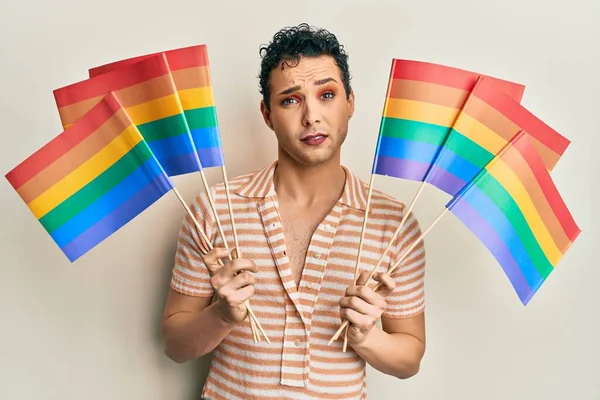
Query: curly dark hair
{"points": [[291, 43]]}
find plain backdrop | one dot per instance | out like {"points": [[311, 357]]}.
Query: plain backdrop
{"points": [[91, 330]]}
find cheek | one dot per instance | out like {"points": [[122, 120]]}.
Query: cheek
{"points": [[286, 122], [342, 117]]}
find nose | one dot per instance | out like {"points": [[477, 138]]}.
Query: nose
{"points": [[311, 113]]}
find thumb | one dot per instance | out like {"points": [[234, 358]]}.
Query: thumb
{"points": [[212, 258]]}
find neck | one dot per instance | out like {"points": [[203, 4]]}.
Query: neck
{"points": [[306, 185]]}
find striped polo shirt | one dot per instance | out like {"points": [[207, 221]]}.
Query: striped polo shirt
{"points": [[299, 318]]}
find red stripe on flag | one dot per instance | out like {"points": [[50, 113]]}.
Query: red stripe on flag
{"points": [[532, 158], [62, 143], [449, 76], [189, 57], [522, 117], [134, 74], [178, 59]]}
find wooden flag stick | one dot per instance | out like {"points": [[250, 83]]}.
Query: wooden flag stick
{"points": [[214, 210], [396, 265], [238, 251], [364, 228], [209, 245], [404, 218], [360, 243], [220, 228], [233, 228], [396, 233]]}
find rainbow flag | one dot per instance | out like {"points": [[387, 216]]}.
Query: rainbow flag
{"points": [[190, 68], [422, 103], [147, 91], [514, 208], [90, 180], [488, 121]]}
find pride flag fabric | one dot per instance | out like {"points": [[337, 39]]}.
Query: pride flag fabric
{"points": [[147, 91], [190, 68], [488, 121], [514, 208], [422, 103], [90, 180]]}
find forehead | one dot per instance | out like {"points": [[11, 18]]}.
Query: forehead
{"points": [[309, 69]]}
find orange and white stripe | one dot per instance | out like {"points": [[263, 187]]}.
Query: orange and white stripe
{"points": [[299, 319]]}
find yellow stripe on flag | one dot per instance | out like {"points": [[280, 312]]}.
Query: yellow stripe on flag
{"points": [[513, 185], [154, 110], [197, 98], [479, 133], [86, 172], [420, 111]]}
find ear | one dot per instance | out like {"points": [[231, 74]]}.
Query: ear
{"points": [[351, 104], [266, 114]]}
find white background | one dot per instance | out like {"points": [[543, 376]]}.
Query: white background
{"points": [[91, 330]]}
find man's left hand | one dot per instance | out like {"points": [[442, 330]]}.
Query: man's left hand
{"points": [[363, 307]]}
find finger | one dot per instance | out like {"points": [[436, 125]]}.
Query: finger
{"points": [[237, 265], [211, 259], [224, 275], [387, 282], [365, 293], [241, 280], [239, 296], [362, 278], [358, 305], [245, 293], [354, 317]]}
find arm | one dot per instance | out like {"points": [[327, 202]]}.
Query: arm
{"points": [[398, 348], [192, 327]]}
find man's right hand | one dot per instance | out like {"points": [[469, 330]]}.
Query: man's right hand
{"points": [[232, 286]]}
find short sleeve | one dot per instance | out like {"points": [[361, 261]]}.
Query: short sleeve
{"points": [[190, 275], [408, 298]]}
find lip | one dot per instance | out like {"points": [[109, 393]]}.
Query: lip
{"points": [[308, 137]]}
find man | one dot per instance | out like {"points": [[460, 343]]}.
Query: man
{"points": [[299, 222]]}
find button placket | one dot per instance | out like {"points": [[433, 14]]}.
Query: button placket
{"points": [[277, 247], [290, 347], [317, 259]]}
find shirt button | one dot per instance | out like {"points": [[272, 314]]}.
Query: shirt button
{"points": [[317, 255], [309, 285], [297, 342], [327, 227]]}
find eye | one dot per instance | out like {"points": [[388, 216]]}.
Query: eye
{"points": [[289, 101], [328, 95]]}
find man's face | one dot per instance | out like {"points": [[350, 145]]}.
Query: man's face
{"points": [[309, 110]]}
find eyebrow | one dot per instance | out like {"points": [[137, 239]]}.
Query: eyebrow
{"points": [[297, 87]]}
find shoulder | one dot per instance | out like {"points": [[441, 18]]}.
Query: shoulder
{"points": [[381, 202], [250, 184], [236, 184]]}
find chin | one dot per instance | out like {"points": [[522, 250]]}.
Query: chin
{"points": [[314, 160], [310, 157]]}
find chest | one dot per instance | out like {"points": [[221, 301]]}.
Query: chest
{"points": [[299, 225]]}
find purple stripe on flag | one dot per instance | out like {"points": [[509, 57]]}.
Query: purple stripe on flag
{"points": [[211, 157], [445, 181], [401, 168], [118, 218], [490, 238]]}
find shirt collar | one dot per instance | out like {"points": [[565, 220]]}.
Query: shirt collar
{"points": [[261, 185]]}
